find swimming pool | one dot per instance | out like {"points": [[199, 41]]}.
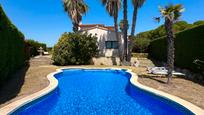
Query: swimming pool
{"points": [[100, 91]]}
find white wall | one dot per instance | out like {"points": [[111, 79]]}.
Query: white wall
{"points": [[105, 35]]}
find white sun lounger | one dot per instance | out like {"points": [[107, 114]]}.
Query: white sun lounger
{"points": [[162, 71], [151, 69], [165, 73]]}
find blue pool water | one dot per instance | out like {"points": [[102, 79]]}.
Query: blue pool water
{"points": [[100, 92]]}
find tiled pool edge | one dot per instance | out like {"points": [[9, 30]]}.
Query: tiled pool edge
{"points": [[193, 108], [10, 108]]}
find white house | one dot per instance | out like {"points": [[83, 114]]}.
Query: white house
{"points": [[107, 42]]}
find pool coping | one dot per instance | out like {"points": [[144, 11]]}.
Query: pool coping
{"points": [[12, 107]]}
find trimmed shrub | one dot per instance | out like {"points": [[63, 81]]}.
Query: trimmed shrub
{"points": [[75, 49], [189, 46], [12, 47], [143, 39], [160, 31], [34, 47]]}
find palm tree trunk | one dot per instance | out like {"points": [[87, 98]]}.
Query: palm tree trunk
{"points": [[134, 21], [170, 48], [125, 29], [117, 37], [75, 27]]}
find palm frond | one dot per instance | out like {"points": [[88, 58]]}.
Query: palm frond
{"points": [[157, 19], [112, 6], [104, 2], [172, 12], [75, 9]]}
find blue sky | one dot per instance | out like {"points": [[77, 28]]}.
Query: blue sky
{"points": [[45, 20]]}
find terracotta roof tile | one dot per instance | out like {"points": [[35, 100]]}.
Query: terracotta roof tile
{"points": [[86, 26]]}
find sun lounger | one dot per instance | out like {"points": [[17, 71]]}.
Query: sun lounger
{"points": [[166, 72], [151, 69], [161, 71]]}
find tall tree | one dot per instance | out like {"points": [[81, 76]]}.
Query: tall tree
{"points": [[75, 10], [113, 7], [125, 28], [137, 4], [121, 25], [171, 14]]}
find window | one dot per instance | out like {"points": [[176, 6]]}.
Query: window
{"points": [[111, 44]]}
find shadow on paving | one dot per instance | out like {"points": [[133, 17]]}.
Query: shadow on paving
{"points": [[10, 88]]}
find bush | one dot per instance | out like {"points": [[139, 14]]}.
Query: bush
{"points": [[75, 49], [140, 45], [160, 31], [188, 47], [198, 23], [34, 47], [12, 47], [141, 42]]}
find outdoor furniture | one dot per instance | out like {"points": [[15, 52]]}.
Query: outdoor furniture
{"points": [[152, 69], [161, 71]]}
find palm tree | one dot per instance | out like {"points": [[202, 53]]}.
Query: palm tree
{"points": [[75, 10], [125, 28], [171, 14], [121, 25], [113, 7], [137, 4]]}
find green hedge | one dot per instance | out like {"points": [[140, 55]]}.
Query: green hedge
{"points": [[189, 46], [160, 31], [34, 47], [12, 47]]}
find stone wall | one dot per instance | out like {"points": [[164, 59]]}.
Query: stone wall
{"points": [[106, 61]]}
